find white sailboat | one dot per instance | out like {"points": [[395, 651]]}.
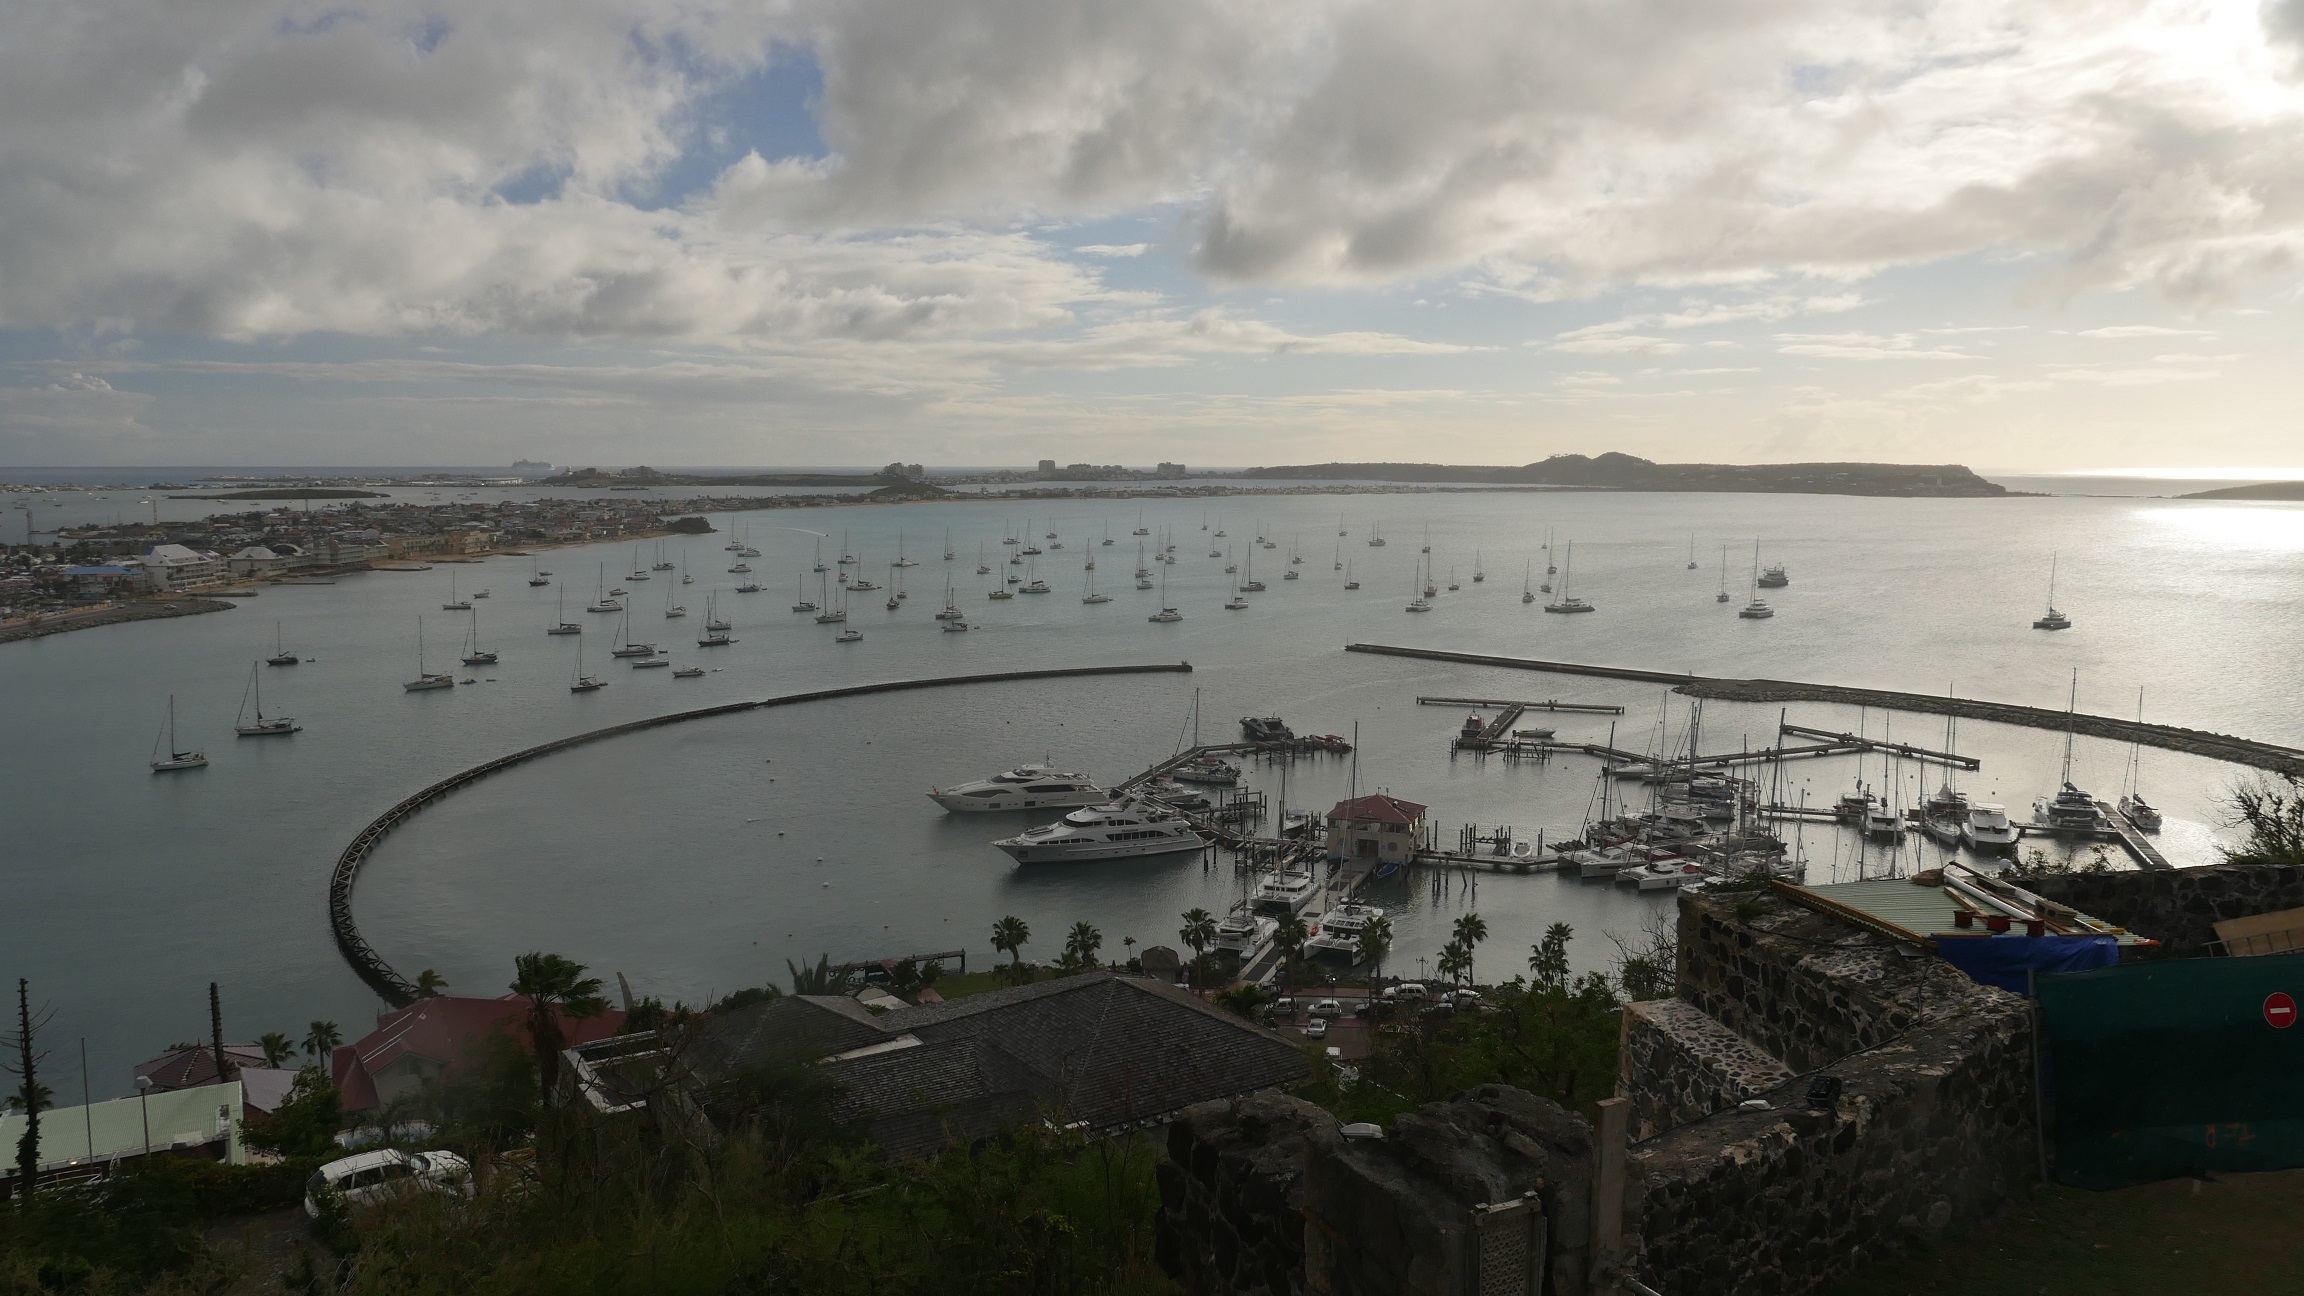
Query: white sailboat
{"points": [[1757, 609], [177, 758], [603, 603], [280, 654], [581, 682], [454, 604], [625, 646], [1527, 573], [474, 654], [261, 726], [1349, 583], [1722, 596], [2132, 805], [2053, 620], [564, 626], [800, 600], [425, 679], [1166, 614], [1566, 602]]}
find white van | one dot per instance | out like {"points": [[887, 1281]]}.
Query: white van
{"points": [[369, 1177]]}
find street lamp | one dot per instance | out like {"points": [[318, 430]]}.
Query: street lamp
{"points": [[144, 1100]]}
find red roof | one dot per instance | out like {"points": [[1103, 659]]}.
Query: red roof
{"points": [[1379, 808], [189, 1068], [443, 1030]]}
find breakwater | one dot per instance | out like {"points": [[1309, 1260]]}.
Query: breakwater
{"points": [[398, 991], [141, 610], [2196, 742]]}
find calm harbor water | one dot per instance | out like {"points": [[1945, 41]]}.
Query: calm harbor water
{"points": [[699, 857]]}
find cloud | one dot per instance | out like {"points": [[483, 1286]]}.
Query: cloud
{"points": [[1860, 346], [2187, 357], [2142, 331], [2132, 377], [1113, 249]]}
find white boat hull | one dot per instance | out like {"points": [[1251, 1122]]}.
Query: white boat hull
{"points": [[1024, 852]]}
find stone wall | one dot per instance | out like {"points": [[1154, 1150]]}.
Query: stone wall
{"points": [[1677, 1065], [1263, 1196], [2177, 907]]}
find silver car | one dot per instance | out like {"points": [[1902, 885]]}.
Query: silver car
{"points": [[366, 1178]]}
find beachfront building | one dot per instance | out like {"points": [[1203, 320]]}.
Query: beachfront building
{"points": [[174, 567], [1377, 827]]}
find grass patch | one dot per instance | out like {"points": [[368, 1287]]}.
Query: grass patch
{"points": [[2236, 1235]]}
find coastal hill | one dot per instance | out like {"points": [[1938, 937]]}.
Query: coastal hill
{"points": [[1614, 471], [2281, 490]]}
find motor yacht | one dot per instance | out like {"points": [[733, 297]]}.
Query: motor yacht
{"points": [[1286, 892], [1262, 729], [1774, 577], [1245, 935], [748, 587], [1026, 787], [1123, 829], [689, 672], [1340, 930], [652, 663], [1660, 875], [1988, 830], [848, 636], [955, 626]]}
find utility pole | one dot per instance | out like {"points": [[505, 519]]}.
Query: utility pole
{"points": [[216, 1031]]}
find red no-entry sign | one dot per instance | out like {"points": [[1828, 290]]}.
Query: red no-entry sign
{"points": [[2279, 1010]]}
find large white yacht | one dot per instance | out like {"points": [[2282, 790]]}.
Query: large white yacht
{"points": [[1245, 935], [1121, 830], [1340, 930], [1286, 892], [1026, 787], [1988, 830]]}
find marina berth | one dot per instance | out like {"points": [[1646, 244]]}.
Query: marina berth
{"points": [[1026, 787], [1121, 830]]}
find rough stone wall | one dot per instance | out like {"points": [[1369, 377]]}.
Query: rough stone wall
{"points": [[1677, 1065], [1264, 1197], [2177, 907], [1802, 987], [1931, 1130]]}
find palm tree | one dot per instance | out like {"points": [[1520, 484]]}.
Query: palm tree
{"points": [[1199, 931], [1081, 945], [820, 979], [277, 1047], [1290, 938], [322, 1040], [1454, 961], [1471, 929], [555, 987], [1375, 940], [429, 984], [1548, 961], [1009, 935]]}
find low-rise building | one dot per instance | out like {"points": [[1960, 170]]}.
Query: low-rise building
{"points": [[84, 1142], [1377, 827], [433, 1038], [174, 567]]}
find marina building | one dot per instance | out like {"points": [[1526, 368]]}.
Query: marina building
{"points": [[1378, 827]]}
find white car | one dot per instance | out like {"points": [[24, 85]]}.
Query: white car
{"points": [[1317, 1028], [1327, 1008], [369, 1177]]}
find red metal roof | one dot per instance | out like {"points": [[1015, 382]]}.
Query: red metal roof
{"points": [[443, 1030], [1378, 807]]}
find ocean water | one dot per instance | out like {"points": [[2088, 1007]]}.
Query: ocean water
{"points": [[698, 858]]}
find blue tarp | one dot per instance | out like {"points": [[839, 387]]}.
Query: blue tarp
{"points": [[2003, 960]]}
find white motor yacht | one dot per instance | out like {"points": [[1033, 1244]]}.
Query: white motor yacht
{"points": [[1026, 787], [1340, 930], [1244, 935], [1286, 891], [1660, 875], [1988, 830], [1122, 830]]}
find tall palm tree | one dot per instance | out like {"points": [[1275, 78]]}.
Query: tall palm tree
{"points": [[1548, 960], [1471, 929], [1009, 935], [1455, 960], [1082, 944], [555, 987], [429, 983], [1375, 941], [1290, 938], [277, 1047], [1199, 931], [322, 1040]]}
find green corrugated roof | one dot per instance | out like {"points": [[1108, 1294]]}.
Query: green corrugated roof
{"points": [[1921, 910]]}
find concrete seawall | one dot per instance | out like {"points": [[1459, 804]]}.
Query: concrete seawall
{"points": [[2196, 742], [398, 991]]}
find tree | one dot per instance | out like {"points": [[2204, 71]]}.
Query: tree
{"points": [[1548, 959], [1199, 931], [306, 1123], [821, 979], [1455, 960], [1471, 929], [429, 984], [1375, 942], [2273, 814], [1009, 935], [1081, 944], [555, 987], [29, 1091], [1290, 938], [277, 1047], [322, 1040]]}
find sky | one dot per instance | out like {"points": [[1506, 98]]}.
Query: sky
{"points": [[2025, 235]]}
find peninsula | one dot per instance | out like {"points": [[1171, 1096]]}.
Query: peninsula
{"points": [[1613, 471], [2280, 490]]}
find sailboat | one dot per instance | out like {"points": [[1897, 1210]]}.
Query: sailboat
{"points": [[800, 600], [1452, 585], [1477, 575], [819, 560], [1375, 541], [603, 603], [672, 609], [1107, 532], [1691, 551], [454, 604], [625, 646], [1568, 602], [712, 618], [1527, 595], [536, 575], [831, 615], [260, 727], [425, 679], [280, 654], [1349, 582], [662, 563], [1248, 582], [1722, 596], [983, 568], [474, 654], [685, 578], [1757, 609], [2054, 620], [1418, 602], [1141, 529], [901, 560], [639, 573], [581, 682], [1092, 596], [951, 609], [2069, 807], [2132, 805], [564, 625], [1339, 555], [715, 630], [1166, 613], [1239, 600], [177, 758], [948, 543]]}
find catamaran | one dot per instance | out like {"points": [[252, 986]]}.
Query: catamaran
{"points": [[2053, 620], [1757, 609]]}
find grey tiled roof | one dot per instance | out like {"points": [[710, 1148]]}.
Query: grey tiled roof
{"points": [[810, 1026]]}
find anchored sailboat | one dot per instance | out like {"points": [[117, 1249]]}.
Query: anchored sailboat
{"points": [[177, 758], [260, 727]]}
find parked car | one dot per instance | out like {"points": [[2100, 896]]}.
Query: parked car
{"points": [[370, 1177], [1327, 1008], [1405, 990], [1317, 1028], [1284, 1007]]}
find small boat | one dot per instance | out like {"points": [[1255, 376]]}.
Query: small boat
{"points": [[425, 679], [689, 672], [2053, 619], [280, 654], [651, 663], [177, 758], [480, 594], [848, 636], [454, 604]]}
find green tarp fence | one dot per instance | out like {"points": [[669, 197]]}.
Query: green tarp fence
{"points": [[2173, 1068]]}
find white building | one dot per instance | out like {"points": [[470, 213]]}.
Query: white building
{"points": [[174, 567]]}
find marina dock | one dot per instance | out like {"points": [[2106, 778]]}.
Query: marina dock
{"points": [[1549, 704]]}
